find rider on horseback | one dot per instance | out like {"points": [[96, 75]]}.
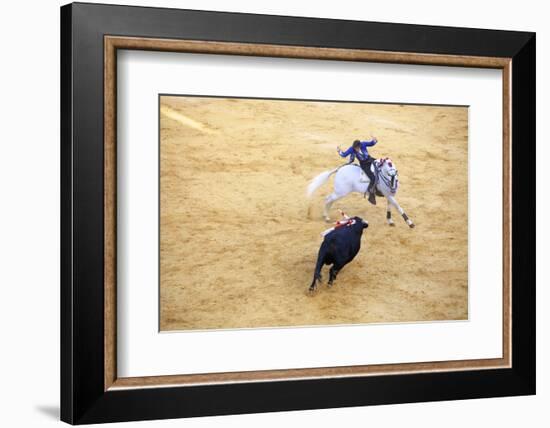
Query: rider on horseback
{"points": [[359, 150]]}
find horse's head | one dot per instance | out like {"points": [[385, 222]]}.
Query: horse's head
{"points": [[387, 167], [389, 171]]}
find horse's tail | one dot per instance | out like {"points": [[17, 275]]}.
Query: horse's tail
{"points": [[319, 181]]}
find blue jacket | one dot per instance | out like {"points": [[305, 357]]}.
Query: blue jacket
{"points": [[363, 153]]}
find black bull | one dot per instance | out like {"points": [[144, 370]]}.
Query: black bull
{"points": [[338, 249]]}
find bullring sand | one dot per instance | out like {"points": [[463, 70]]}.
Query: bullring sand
{"points": [[239, 239]]}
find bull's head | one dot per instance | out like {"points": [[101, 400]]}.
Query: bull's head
{"points": [[359, 220]]}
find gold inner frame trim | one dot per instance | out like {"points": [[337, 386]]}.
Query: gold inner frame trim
{"points": [[113, 43]]}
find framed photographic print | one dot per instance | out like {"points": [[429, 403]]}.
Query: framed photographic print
{"points": [[265, 213]]}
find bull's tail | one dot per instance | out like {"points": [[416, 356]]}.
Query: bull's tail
{"points": [[317, 273], [319, 181]]}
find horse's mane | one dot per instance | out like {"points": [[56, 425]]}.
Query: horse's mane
{"points": [[382, 161]]}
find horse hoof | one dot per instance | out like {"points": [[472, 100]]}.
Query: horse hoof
{"points": [[392, 224], [412, 225]]}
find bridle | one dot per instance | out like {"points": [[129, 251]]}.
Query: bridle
{"points": [[391, 180]]}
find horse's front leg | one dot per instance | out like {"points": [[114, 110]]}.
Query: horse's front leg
{"points": [[388, 214], [392, 200]]}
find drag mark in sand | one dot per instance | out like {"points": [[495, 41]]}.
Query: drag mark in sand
{"points": [[186, 121]]}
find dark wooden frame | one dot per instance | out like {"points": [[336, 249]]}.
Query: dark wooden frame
{"points": [[114, 43], [90, 35]]}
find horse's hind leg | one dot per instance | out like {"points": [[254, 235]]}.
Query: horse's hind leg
{"points": [[329, 200]]}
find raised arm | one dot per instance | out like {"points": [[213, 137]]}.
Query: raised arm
{"points": [[369, 143], [346, 153]]}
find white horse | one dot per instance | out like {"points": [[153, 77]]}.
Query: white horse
{"points": [[350, 178]]}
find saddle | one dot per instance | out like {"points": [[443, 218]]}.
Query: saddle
{"points": [[364, 178]]}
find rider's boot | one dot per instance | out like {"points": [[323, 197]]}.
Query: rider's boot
{"points": [[370, 191], [372, 198]]}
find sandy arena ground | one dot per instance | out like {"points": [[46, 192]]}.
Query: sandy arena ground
{"points": [[239, 239]]}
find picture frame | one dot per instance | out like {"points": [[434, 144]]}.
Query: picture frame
{"points": [[91, 35]]}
